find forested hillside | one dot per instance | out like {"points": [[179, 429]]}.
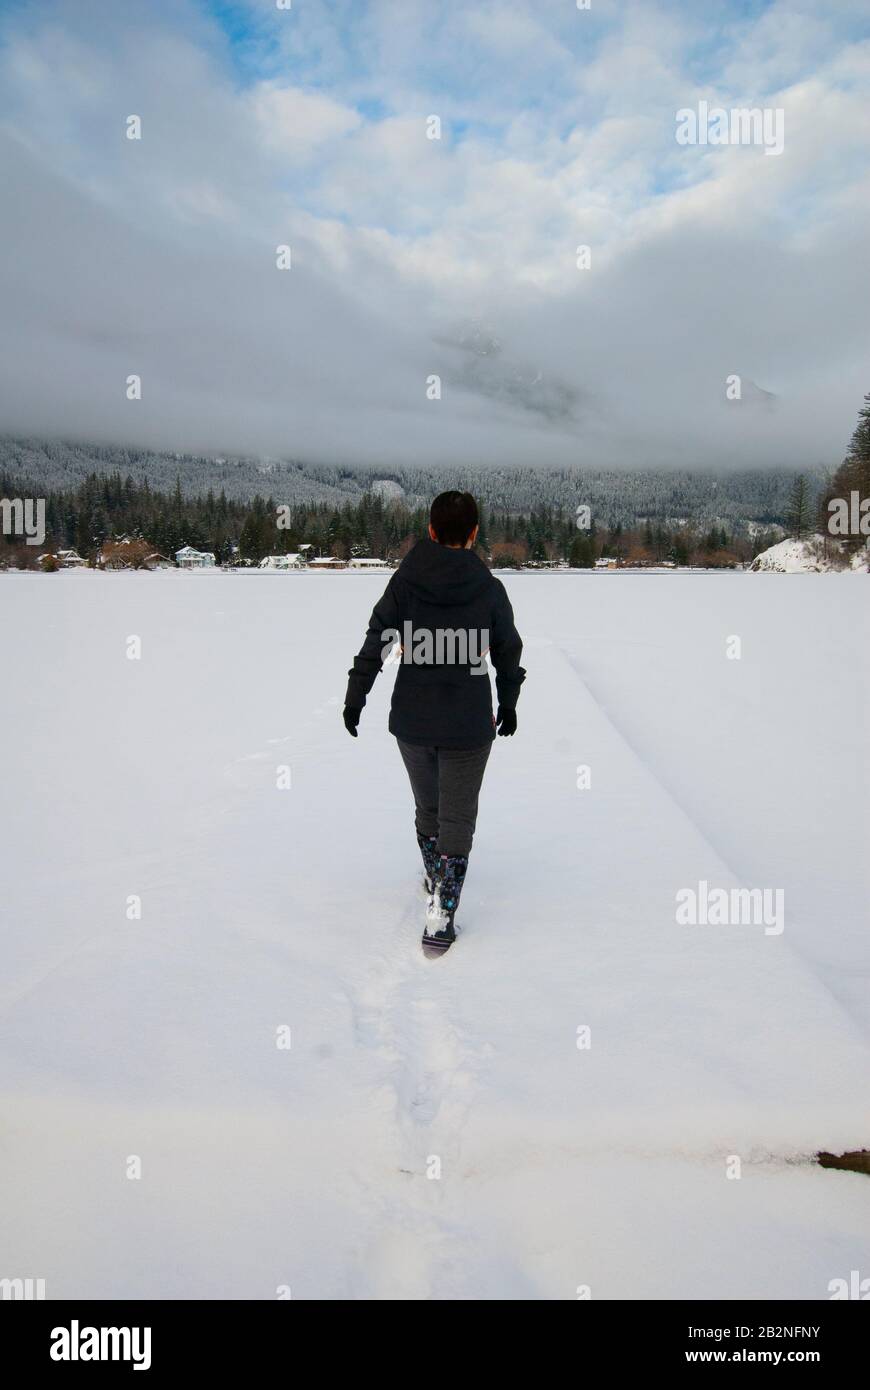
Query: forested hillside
{"points": [[615, 496], [104, 510]]}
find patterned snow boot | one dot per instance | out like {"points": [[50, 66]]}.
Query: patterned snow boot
{"points": [[439, 933], [429, 852]]}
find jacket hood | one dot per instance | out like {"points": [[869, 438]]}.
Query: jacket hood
{"points": [[440, 575]]}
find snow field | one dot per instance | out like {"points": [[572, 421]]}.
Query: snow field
{"points": [[434, 1130]]}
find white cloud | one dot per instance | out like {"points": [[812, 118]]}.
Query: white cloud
{"points": [[294, 123]]}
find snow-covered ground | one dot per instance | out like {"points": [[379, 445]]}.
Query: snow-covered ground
{"points": [[434, 1130], [815, 555]]}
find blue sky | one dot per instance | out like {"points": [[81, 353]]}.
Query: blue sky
{"points": [[482, 85]]}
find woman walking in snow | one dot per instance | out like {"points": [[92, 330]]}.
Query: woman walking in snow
{"points": [[446, 610]]}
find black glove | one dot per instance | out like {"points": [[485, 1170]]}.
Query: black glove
{"points": [[506, 722], [351, 719]]}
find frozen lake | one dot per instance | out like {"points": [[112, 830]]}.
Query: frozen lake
{"points": [[434, 1130]]}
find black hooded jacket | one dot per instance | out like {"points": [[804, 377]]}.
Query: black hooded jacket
{"points": [[456, 609]]}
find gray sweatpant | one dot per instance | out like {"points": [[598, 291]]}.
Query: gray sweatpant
{"points": [[446, 785]]}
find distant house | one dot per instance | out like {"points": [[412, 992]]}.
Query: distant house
{"points": [[606, 562], [189, 559], [70, 560], [328, 562], [362, 562], [283, 562], [155, 561]]}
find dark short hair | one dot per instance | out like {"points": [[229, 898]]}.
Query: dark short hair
{"points": [[453, 517]]}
